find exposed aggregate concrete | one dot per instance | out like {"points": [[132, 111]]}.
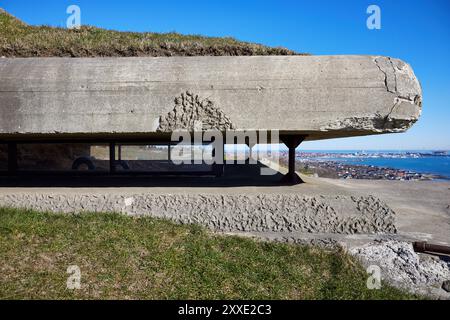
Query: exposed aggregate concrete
{"points": [[257, 213], [404, 268]]}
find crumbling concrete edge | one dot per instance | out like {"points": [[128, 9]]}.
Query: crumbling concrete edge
{"points": [[405, 269], [401, 82]]}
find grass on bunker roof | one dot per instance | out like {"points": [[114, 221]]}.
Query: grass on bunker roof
{"points": [[18, 39], [123, 257]]}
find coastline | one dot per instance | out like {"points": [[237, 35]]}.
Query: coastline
{"points": [[338, 170], [374, 165]]}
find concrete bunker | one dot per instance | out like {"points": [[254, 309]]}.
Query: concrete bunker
{"points": [[89, 113]]}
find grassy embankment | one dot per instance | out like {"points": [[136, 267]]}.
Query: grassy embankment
{"points": [[18, 39], [145, 258]]}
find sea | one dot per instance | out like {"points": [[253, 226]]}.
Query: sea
{"points": [[420, 161]]}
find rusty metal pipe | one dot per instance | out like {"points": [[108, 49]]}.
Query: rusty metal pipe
{"points": [[421, 246]]}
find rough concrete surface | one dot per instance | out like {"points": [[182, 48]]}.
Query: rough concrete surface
{"points": [[401, 266], [375, 220], [408, 210], [319, 96], [421, 207], [256, 212]]}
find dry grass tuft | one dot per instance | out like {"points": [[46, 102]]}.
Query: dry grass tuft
{"points": [[18, 39]]}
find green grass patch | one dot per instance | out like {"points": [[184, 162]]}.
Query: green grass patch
{"points": [[123, 257], [18, 39]]}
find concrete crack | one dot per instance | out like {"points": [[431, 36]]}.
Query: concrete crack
{"points": [[385, 75], [386, 67], [394, 73]]}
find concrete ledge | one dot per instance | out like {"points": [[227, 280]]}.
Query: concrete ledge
{"points": [[318, 96], [258, 212]]}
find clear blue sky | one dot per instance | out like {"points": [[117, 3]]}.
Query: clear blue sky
{"points": [[417, 31]]}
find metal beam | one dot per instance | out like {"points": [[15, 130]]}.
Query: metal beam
{"points": [[218, 168], [420, 246], [112, 157], [292, 142]]}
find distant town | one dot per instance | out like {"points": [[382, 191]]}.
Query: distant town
{"points": [[333, 169], [319, 164], [332, 164], [373, 154]]}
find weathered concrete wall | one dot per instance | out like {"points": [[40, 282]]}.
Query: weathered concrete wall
{"points": [[229, 212], [323, 96]]}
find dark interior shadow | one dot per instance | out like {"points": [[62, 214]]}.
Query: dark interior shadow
{"points": [[235, 175]]}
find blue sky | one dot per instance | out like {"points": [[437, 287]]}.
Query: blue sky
{"points": [[416, 31]]}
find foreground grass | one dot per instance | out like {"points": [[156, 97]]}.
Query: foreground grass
{"points": [[18, 39], [124, 257]]}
